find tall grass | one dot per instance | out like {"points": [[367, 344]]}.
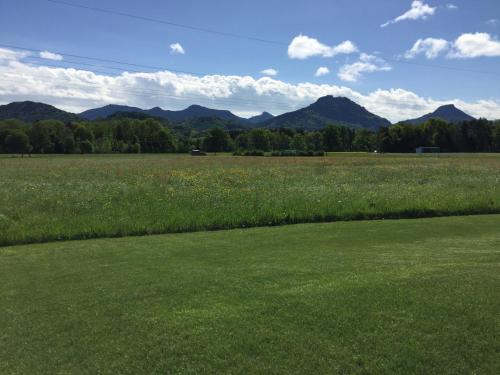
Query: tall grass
{"points": [[76, 197]]}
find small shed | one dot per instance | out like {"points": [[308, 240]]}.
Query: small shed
{"points": [[428, 150], [197, 153]]}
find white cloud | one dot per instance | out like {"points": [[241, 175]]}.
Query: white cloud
{"points": [[303, 47], [77, 90], [451, 6], [270, 72], [432, 47], [177, 49], [418, 10], [366, 64], [10, 55], [346, 47], [475, 45], [50, 56], [322, 71], [492, 21], [467, 45]]}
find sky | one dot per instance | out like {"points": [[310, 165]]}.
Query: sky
{"points": [[399, 59]]}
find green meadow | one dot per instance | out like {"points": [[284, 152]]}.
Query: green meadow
{"points": [[47, 198], [369, 297]]}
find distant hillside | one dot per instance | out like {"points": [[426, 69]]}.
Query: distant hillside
{"points": [[106, 111], [135, 116], [264, 116], [31, 111], [208, 122], [447, 112], [328, 110], [190, 112]]}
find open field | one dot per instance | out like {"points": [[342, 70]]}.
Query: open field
{"points": [[75, 197], [393, 296]]}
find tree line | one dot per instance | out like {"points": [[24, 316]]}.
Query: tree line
{"points": [[128, 135]]}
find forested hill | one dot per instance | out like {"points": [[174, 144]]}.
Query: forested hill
{"points": [[31, 111]]}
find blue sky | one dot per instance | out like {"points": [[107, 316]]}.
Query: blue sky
{"points": [[459, 35]]}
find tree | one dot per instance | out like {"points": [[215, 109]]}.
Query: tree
{"points": [[496, 137], [259, 139], [69, 145], [314, 141], [298, 142], [82, 133], [331, 137], [86, 147], [217, 140], [166, 141], [364, 140], [17, 142]]}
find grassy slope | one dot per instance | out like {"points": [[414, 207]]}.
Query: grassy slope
{"points": [[407, 296], [75, 197]]}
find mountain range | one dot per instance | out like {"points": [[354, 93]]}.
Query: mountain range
{"points": [[326, 110], [193, 111]]}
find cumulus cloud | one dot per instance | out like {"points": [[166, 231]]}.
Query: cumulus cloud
{"points": [[475, 45], [418, 10], [451, 6], [303, 47], [177, 49], [50, 56], [345, 47], [431, 47], [366, 64], [270, 72], [77, 90], [322, 71], [466, 46]]}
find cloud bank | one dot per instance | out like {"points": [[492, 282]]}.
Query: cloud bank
{"points": [[77, 90]]}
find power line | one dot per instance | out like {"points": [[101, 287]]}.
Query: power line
{"points": [[151, 92], [65, 61], [195, 28], [440, 67], [169, 23], [103, 60]]}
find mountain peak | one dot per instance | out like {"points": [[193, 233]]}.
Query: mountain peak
{"points": [[264, 116], [447, 106], [334, 101], [447, 112], [330, 109]]}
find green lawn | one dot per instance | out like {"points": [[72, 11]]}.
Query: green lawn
{"points": [[48, 198], [403, 296]]}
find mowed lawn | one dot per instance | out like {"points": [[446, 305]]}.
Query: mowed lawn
{"points": [[392, 296], [47, 198]]}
